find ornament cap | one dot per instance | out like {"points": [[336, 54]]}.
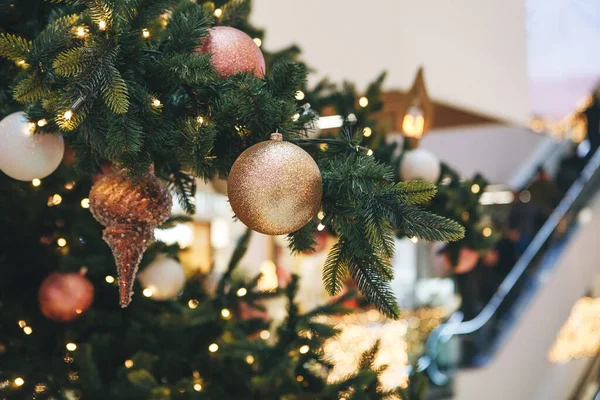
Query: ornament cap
{"points": [[277, 137]]}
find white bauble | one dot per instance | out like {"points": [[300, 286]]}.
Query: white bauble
{"points": [[164, 278], [420, 164], [25, 155]]}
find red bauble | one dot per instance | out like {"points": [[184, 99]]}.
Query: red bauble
{"points": [[233, 51], [130, 208], [64, 297]]}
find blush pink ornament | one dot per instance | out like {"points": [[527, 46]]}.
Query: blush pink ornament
{"points": [[64, 297], [467, 260], [233, 51]]}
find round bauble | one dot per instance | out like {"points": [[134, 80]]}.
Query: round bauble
{"points": [[130, 207], [25, 155], [233, 51], [164, 278], [420, 164], [64, 297], [275, 187]]}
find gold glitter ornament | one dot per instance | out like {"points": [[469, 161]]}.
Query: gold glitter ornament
{"points": [[275, 187], [130, 208], [233, 51]]}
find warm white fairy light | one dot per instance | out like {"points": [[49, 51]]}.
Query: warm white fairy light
{"points": [[128, 363], [156, 103], [69, 185], [264, 335], [85, 203], [414, 239], [193, 303], [55, 200], [225, 313], [200, 120], [68, 115], [295, 117], [145, 33], [487, 231], [213, 347], [21, 63], [304, 349], [363, 102], [22, 324], [367, 132], [81, 31], [369, 152], [257, 41], [249, 359], [197, 387], [19, 381], [102, 25], [71, 346], [299, 95], [320, 227], [321, 215], [147, 292], [28, 330], [241, 292], [42, 122], [218, 12], [61, 242], [475, 188], [36, 182], [109, 279]]}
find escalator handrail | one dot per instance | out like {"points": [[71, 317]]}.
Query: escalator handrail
{"points": [[442, 333]]}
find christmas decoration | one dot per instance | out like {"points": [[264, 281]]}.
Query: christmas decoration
{"points": [[420, 164], [275, 187], [164, 278], [25, 155], [232, 51], [64, 297], [130, 208]]}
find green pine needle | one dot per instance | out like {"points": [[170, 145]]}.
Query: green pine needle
{"points": [[14, 47]]}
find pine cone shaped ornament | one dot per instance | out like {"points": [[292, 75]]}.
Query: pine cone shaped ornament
{"points": [[130, 207]]}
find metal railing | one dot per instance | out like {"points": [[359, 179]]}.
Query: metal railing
{"points": [[457, 327]]}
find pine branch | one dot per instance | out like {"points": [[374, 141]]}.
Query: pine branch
{"points": [[303, 239], [13, 47], [422, 224], [415, 192], [189, 69], [31, 89], [189, 24], [367, 358], [114, 90], [335, 269], [375, 288], [185, 188], [71, 62]]}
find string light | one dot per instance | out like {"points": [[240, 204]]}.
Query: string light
{"points": [[61, 242], [299, 95], [295, 117], [68, 115], [257, 41], [264, 335], [198, 387], [55, 200], [304, 349], [145, 33], [147, 292], [363, 102], [370, 152], [193, 303], [225, 313], [21, 63], [156, 103], [81, 31], [22, 324], [475, 188], [71, 346], [320, 227], [218, 12], [465, 215], [487, 231], [367, 132], [36, 182], [213, 347], [321, 214], [19, 381], [109, 279], [128, 363], [78, 311], [241, 292], [200, 120], [413, 123], [42, 122], [102, 25], [69, 185], [249, 359], [85, 203], [300, 378], [414, 239], [28, 330]]}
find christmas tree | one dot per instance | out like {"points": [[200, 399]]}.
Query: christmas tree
{"points": [[144, 88]]}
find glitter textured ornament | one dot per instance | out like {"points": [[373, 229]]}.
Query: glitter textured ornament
{"points": [[64, 297], [25, 155], [233, 51], [130, 208], [275, 187]]}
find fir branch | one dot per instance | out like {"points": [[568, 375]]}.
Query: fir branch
{"points": [[13, 47], [53, 38], [188, 25], [185, 188], [124, 137], [367, 358], [303, 239], [189, 69], [335, 269], [31, 89], [415, 192], [375, 288], [114, 90], [236, 12], [71, 62], [422, 224]]}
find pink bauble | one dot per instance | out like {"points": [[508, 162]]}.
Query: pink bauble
{"points": [[233, 51], [467, 260], [64, 297]]}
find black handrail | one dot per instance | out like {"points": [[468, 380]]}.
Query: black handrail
{"points": [[446, 331]]}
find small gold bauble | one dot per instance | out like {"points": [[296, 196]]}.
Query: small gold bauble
{"points": [[275, 187]]}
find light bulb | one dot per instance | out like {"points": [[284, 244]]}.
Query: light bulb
{"points": [[85, 203], [28, 330], [128, 363], [193, 303], [414, 239], [145, 33], [147, 292], [299, 95], [413, 124], [241, 292], [367, 132], [68, 115], [320, 227], [109, 279], [257, 41], [487, 231], [61, 242], [71, 346], [304, 349], [218, 12], [19, 381], [213, 347], [363, 102], [249, 359], [264, 335], [225, 313], [197, 387], [370, 152], [81, 31], [42, 122], [156, 103], [475, 188], [36, 182], [102, 25]]}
